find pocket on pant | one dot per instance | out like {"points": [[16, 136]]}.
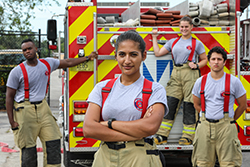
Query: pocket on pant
{"points": [[238, 153], [19, 137]]}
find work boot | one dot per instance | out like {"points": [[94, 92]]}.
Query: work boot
{"points": [[160, 140], [185, 141]]}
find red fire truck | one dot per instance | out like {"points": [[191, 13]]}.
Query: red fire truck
{"points": [[83, 34]]}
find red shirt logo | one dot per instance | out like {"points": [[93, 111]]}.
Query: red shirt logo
{"points": [[138, 104], [222, 94], [47, 73], [189, 48]]}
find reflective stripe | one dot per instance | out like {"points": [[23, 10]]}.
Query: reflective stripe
{"points": [[166, 125], [188, 130]]}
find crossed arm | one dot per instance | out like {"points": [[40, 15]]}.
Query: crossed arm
{"points": [[122, 130]]}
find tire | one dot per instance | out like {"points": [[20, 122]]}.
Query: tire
{"points": [[66, 157]]}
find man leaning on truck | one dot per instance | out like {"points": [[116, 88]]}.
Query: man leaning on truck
{"points": [[28, 112]]}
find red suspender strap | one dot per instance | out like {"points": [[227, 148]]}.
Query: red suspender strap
{"points": [[105, 92], [190, 58], [191, 55], [146, 93], [227, 93], [26, 82], [202, 93], [173, 46], [48, 67]]}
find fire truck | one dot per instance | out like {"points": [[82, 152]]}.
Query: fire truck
{"points": [[83, 34]]}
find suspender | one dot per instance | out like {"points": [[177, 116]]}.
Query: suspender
{"points": [[146, 93], [173, 46], [26, 80], [190, 58], [107, 89], [227, 93], [203, 83], [48, 67]]}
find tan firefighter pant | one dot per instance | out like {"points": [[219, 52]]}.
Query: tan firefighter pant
{"points": [[219, 139], [36, 120], [133, 155], [181, 83], [180, 87]]}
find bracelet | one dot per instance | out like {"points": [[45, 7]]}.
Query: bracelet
{"points": [[110, 120]]}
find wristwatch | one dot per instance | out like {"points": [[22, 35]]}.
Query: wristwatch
{"points": [[87, 58], [197, 66], [110, 120]]}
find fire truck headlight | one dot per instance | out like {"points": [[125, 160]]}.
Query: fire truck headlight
{"points": [[247, 130]]}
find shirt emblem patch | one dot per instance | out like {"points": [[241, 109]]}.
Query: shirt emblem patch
{"points": [[138, 104], [47, 73], [222, 94], [189, 47]]}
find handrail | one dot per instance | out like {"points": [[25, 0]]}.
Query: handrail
{"points": [[166, 32]]}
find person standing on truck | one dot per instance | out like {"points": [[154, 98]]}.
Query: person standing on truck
{"points": [[28, 112], [214, 95], [179, 88], [118, 119]]}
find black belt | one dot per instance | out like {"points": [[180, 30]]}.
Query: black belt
{"points": [[217, 120], [213, 120], [178, 65], [34, 102], [117, 146]]}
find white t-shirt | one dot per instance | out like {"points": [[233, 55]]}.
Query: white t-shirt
{"points": [[183, 48], [37, 76], [123, 102], [214, 100]]}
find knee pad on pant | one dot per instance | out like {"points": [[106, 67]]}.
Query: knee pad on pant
{"points": [[172, 106], [189, 113], [53, 150], [29, 157]]}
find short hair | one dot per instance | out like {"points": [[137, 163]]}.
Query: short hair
{"points": [[131, 35], [27, 40], [187, 18], [218, 50]]}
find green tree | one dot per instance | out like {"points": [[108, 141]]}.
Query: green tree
{"points": [[16, 14]]}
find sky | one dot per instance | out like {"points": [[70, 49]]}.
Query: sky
{"points": [[40, 22]]}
